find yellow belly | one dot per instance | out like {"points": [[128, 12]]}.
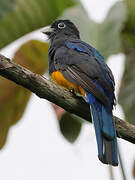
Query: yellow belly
{"points": [[59, 79]]}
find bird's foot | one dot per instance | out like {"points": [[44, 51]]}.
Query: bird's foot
{"points": [[71, 90]]}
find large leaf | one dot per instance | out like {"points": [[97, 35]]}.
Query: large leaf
{"points": [[19, 17], [14, 98], [6, 6], [130, 23], [33, 55], [108, 39], [127, 95], [70, 126]]}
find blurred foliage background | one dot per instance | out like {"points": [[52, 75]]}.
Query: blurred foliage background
{"points": [[116, 34]]}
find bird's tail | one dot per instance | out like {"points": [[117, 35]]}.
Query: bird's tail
{"points": [[105, 135]]}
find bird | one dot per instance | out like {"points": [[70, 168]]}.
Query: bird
{"points": [[79, 67]]}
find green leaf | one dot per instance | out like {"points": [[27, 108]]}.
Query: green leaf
{"points": [[5, 7], [108, 39], [14, 98], [19, 17], [130, 23], [70, 126], [126, 94]]}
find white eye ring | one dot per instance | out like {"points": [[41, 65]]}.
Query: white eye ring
{"points": [[61, 25]]}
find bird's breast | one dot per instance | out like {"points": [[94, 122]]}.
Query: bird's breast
{"points": [[61, 80]]}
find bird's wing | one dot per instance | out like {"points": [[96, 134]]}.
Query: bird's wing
{"points": [[80, 67], [83, 47], [74, 75]]}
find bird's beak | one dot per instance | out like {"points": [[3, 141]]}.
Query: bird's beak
{"points": [[47, 30]]}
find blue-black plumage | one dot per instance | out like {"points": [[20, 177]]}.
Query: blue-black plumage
{"points": [[82, 65], [105, 131], [101, 114]]}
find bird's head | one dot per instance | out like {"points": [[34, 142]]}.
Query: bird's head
{"points": [[61, 28]]}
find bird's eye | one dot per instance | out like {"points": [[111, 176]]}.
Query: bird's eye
{"points": [[61, 25]]}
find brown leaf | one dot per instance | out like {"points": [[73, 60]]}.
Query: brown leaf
{"points": [[14, 98]]}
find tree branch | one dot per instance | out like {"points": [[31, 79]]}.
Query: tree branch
{"points": [[58, 95]]}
